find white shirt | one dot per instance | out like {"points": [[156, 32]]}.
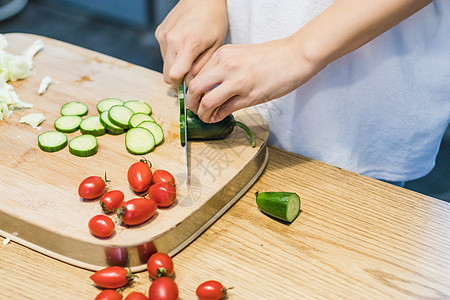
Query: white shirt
{"points": [[380, 111]]}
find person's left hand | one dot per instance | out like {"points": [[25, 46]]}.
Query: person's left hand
{"points": [[239, 76]]}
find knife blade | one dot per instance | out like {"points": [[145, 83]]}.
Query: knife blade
{"points": [[184, 127]]}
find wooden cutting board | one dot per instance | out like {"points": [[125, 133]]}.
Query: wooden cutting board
{"points": [[41, 208]]}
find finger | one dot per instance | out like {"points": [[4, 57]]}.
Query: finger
{"points": [[233, 104], [168, 61], [198, 64], [198, 87], [213, 100]]}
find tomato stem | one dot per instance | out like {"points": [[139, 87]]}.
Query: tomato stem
{"points": [[121, 212], [161, 272], [146, 161], [130, 276], [106, 179]]}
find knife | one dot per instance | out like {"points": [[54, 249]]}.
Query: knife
{"points": [[184, 127]]}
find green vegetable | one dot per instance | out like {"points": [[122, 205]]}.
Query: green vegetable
{"points": [[120, 115], [74, 108], [155, 129], [107, 103], [108, 125], [68, 124], [92, 125], [138, 118], [84, 145], [199, 130], [139, 140], [281, 205], [52, 141], [138, 106]]}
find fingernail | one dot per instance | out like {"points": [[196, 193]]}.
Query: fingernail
{"points": [[212, 119]]}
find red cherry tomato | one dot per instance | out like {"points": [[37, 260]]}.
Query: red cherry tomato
{"points": [[92, 187], [112, 277], [137, 210], [101, 226], [109, 295], [163, 288], [159, 264], [163, 193], [210, 290], [140, 176], [163, 176], [112, 200], [136, 296]]}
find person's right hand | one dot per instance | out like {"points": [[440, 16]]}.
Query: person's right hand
{"points": [[188, 37]]}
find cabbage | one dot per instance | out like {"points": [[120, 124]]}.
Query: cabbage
{"points": [[13, 68], [34, 119]]}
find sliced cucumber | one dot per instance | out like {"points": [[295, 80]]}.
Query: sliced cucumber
{"points": [[138, 118], [104, 120], [92, 125], [281, 205], [74, 108], [120, 115], [68, 124], [107, 103], [139, 106], [52, 141], [139, 141], [84, 145], [155, 129]]}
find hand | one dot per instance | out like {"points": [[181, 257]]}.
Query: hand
{"points": [[189, 35], [239, 76]]}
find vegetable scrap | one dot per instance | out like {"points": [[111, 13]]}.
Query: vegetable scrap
{"points": [[33, 119], [45, 83]]}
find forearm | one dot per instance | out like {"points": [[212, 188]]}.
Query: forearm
{"points": [[347, 25]]}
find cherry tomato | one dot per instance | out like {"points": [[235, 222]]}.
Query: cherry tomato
{"points": [[137, 210], [210, 290], [163, 193], [163, 288], [163, 176], [140, 176], [92, 187], [136, 296], [159, 264], [109, 295], [112, 277], [112, 200], [101, 226]]}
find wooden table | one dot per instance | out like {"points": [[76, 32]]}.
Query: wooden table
{"points": [[355, 238]]}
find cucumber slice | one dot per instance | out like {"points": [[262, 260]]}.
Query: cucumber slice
{"points": [[139, 118], [139, 106], [68, 124], [74, 108], [107, 103], [155, 129], [92, 125], [104, 120], [52, 141], [84, 145], [139, 141], [120, 115], [281, 205]]}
